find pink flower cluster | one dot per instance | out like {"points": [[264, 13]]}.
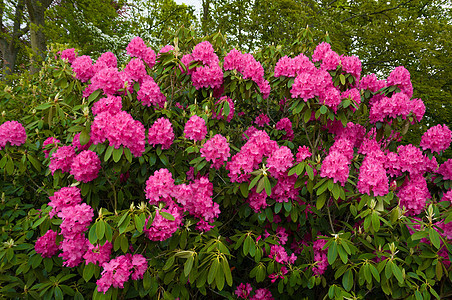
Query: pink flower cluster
{"points": [[436, 138], [76, 143], [446, 169], [280, 161], [69, 54], [320, 258], [210, 73], [110, 104], [195, 198], [50, 141], [352, 65], [12, 132], [370, 82], [99, 254], [195, 128], [257, 201], [315, 82], [216, 150], [160, 187], [65, 197], [250, 156], [400, 77], [118, 271], [284, 190], [150, 94], [135, 71], [161, 133], [414, 194], [279, 254], [120, 129], [249, 67], [303, 153], [262, 120], [46, 245], [220, 114], [62, 159], [162, 228], [291, 67], [83, 68], [243, 291], [399, 105], [85, 166], [137, 48], [286, 125]]}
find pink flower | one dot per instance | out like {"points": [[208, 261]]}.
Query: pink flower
{"points": [[83, 68], [85, 166], [12, 132], [220, 114], [262, 120], [320, 258], [411, 159], [414, 194], [372, 177], [371, 83], [50, 141], [160, 187], [243, 291], [99, 254], [76, 219], [400, 77], [303, 153], [62, 159], [136, 70], [150, 94], [280, 161], [46, 245], [196, 198], [69, 55], [162, 133], [162, 228], [291, 67], [216, 150], [65, 197], [106, 60], [166, 49], [446, 169], [73, 249], [195, 128], [286, 125], [262, 294], [119, 129], [111, 104], [320, 51], [76, 143], [108, 80], [137, 48], [437, 138], [335, 166], [351, 65], [139, 266], [116, 272], [257, 201], [285, 190]]}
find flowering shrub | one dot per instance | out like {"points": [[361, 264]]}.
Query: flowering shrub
{"points": [[153, 181]]}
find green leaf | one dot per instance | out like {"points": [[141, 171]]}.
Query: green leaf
{"points": [[332, 253], [188, 265], [108, 153], [244, 189], [254, 181], [375, 221], [166, 215], [227, 271], [124, 243], [278, 207], [347, 280], [94, 96], [139, 223], [10, 166], [88, 271], [84, 137], [323, 109], [117, 153], [36, 163], [39, 221], [58, 293], [434, 237], [267, 186], [169, 263], [321, 201], [100, 230], [374, 272], [92, 235], [128, 154], [147, 280], [397, 273], [342, 78], [213, 271], [310, 172], [226, 109]]}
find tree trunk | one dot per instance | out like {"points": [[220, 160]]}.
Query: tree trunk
{"points": [[9, 45], [36, 12], [205, 16]]}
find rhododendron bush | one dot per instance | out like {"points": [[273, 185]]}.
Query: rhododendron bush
{"points": [[200, 171]]}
